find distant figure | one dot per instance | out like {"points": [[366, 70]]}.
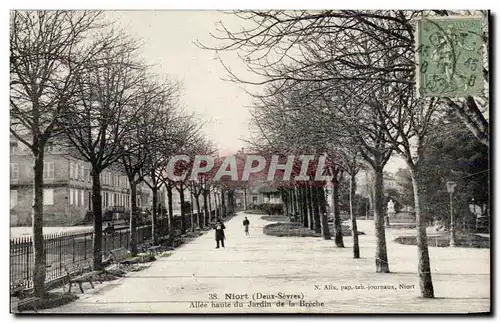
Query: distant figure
{"points": [[246, 223], [390, 208], [110, 229], [391, 212], [219, 233]]}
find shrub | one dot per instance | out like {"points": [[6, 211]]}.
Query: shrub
{"points": [[271, 209]]}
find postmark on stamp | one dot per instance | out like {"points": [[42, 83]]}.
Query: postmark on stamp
{"points": [[450, 56]]}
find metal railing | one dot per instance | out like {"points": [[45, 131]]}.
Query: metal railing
{"points": [[76, 249]]}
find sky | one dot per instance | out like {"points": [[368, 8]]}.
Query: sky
{"points": [[168, 45], [168, 38]]}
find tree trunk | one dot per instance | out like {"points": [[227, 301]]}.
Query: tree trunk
{"points": [[325, 229], [154, 229], [183, 215], [216, 207], [424, 264], [371, 204], [381, 260], [193, 227], [354, 224], [284, 202], [224, 209], [171, 228], [315, 208], [210, 219], [293, 203], [37, 223], [309, 205], [296, 205], [206, 218], [97, 212], [339, 240], [198, 211], [245, 199], [231, 202], [303, 206], [133, 217]]}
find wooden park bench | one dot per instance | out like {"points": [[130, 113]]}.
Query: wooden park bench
{"points": [[121, 256], [80, 277], [153, 250]]}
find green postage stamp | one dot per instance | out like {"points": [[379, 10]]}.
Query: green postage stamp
{"points": [[450, 56]]}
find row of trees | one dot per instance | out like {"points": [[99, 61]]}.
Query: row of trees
{"points": [[77, 80], [342, 83]]}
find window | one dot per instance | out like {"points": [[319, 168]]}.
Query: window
{"points": [[14, 171], [82, 197], [82, 172], [48, 196], [13, 198], [71, 196], [48, 148], [71, 170], [48, 170]]}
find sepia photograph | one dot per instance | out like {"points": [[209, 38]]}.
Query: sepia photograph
{"points": [[250, 161]]}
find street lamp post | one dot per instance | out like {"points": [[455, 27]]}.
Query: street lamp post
{"points": [[450, 187]]}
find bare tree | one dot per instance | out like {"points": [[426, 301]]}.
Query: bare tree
{"points": [[276, 46], [47, 53], [100, 121], [409, 121], [146, 134], [166, 144]]}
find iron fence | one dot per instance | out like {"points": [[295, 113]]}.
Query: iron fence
{"points": [[76, 249]]}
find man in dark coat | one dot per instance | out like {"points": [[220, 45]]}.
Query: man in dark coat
{"points": [[219, 233], [246, 223]]}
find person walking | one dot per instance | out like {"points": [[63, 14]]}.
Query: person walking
{"points": [[219, 233], [246, 223]]}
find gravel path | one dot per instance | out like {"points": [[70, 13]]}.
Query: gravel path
{"points": [[304, 275]]}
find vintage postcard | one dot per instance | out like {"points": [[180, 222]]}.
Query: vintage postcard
{"points": [[250, 161]]}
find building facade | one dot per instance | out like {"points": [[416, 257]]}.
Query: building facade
{"points": [[67, 189], [250, 197]]}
